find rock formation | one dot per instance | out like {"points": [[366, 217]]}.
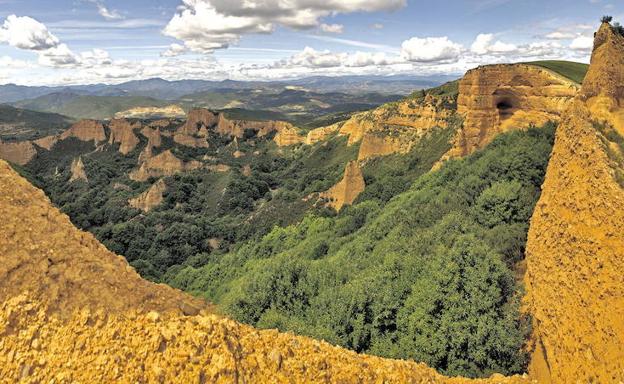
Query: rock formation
{"points": [[71, 311], [47, 142], [20, 153], [391, 128], [497, 98], [153, 136], [164, 164], [78, 171], [348, 189], [288, 136], [168, 112], [122, 132], [575, 250], [151, 198], [86, 130], [320, 134]]}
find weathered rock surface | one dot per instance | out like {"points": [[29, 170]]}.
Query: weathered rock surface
{"points": [[122, 132], [20, 153], [86, 130], [497, 98], [71, 311], [164, 164], [396, 127], [47, 142], [42, 253], [575, 250], [153, 136], [288, 136], [151, 198], [348, 189], [78, 171]]}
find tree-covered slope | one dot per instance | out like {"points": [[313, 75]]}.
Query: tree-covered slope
{"points": [[429, 276]]}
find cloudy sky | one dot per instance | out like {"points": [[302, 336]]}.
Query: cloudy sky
{"points": [[46, 42]]}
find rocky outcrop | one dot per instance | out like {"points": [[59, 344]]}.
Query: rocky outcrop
{"points": [[193, 133], [122, 132], [86, 130], [288, 136], [348, 189], [321, 134], [168, 112], [20, 153], [151, 198], [64, 269], [153, 136], [164, 164], [575, 249], [71, 311], [497, 98], [78, 171], [237, 128], [394, 128], [603, 88], [46, 142]]}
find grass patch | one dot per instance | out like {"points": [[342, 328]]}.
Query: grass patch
{"points": [[573, 71]]}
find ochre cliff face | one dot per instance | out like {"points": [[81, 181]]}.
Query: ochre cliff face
{"points": [[288, 136], [497, 98], [575, 249], [151, 198], [122, 132], [86, 130], [164, 164], [78, 171], [396, 127], [71, 311], [348, 189], [63, 268], [20, 153]]}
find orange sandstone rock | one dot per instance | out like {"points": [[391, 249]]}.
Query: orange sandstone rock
{"points": [[575, 249], [497, 98], [151, 198], [122, 132], [164, 164], [20, 153], [86, 130], [348, 189], [78, 171]]}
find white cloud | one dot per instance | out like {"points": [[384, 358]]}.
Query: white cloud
{"points": [[59, 56], [206, 25], [174, 50], [484, 44], [311, 58], [377, 26], [560, 35], [27, 33], [430, 49], [582, 43], [108, 14], [332, 28]]}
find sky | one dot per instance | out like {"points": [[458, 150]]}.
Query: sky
{"points": [[62, 42]]}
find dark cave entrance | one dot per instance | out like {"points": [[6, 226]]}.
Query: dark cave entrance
{"points": [[506, 102]]}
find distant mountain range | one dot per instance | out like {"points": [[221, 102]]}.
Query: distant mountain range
{"points": [[173, 90]]}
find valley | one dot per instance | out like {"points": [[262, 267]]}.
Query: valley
{"points": [[465, 231]]}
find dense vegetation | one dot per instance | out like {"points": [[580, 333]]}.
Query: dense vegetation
{"points": [[428, 276], [573, 71]]}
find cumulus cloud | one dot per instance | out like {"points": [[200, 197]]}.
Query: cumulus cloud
{"points": [[174, 50], [207, 25], [332, 28], [311, 58], [108, 14], [27, 33], [484, 44], [582, 43], [430, 49]]}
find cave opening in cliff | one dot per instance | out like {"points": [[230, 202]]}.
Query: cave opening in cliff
{"points": [[506, 103]]}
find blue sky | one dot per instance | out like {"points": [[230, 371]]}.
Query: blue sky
{"points": [[89, 41]]}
